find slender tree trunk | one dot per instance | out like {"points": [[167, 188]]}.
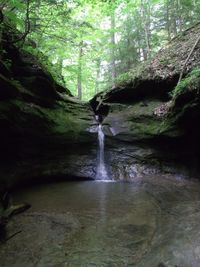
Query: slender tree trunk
{"points": [[174, 26], [79, 75], [168, 21], [174, 23], [113, 43], [188, 57], [128, 44], [60, 64], [144, 53], [97, 76], [128, 63], [180, 20], [194, 9], [1, 31], [191, 13], [35, 19], [27, 25], [140, 49], [146, 19]]}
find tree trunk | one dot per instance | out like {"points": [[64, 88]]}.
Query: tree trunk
{"points": [[1, 30], [174, 24], [168, 21], [146, 19], [97, 76], [180, 20], [60, 64], [140, 49], [128, 44], [79, 75], [36, 18], [113, 43], [187, 59]]}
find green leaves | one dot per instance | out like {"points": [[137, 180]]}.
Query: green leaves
{"points": [[141, 27]]}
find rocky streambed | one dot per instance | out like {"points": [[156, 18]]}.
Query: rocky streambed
{"points": [[153, 221]]}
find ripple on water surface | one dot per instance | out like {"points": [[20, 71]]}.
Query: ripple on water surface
{"points": [[141, 224]]}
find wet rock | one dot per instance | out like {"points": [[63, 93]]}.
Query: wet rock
{"points": [[41, 124], [145, 114], [8, 89], [161, 265]]}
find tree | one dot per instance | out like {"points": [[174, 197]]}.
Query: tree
{"points": [[79, 74], [93, 44], [113, 44]]}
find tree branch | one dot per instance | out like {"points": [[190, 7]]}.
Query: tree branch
{"points": [[1, 16], [187, 59], [2, 4], [27, 24]]}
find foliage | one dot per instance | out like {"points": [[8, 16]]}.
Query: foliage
{"points": [[46, 64], [192, 76], [94, 44], [123, 77]]}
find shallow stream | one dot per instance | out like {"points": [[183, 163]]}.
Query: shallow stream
{"points": [[151, 222]]}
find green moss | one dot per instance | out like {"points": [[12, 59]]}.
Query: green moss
{"points": [[46, 65], [186, 83], [123, 77], [139, 71], [164, 61], [143, 108], [146, 127], [63, 121]]}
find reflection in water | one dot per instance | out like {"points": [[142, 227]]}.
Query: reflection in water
{"points": [[107, 225], [103, 202], [108, 220]]}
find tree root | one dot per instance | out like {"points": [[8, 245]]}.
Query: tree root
{"points": [[6, 214]]}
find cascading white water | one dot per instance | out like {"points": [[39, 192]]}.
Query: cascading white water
{"points": [[101, 168]]}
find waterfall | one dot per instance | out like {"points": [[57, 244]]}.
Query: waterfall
{"points": [[101, 168]]}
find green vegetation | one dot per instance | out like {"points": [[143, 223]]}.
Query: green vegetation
{"points": [[93, 44], [187, 82]]}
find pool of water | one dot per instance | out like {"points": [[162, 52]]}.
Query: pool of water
{"points": [[151, 222]]}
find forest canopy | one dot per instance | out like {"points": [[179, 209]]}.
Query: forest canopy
{"points": [[96, 44]]}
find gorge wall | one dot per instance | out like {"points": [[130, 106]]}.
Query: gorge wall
{"points": [[43, 128], [152, 123], [47, 133]]}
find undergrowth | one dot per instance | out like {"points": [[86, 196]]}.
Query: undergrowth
{"points": [[186, 83]]}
